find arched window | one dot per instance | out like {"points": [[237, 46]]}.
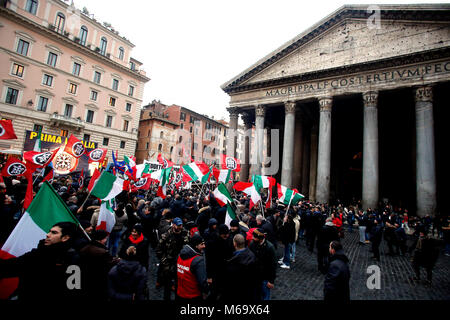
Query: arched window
{"points": [[121, 53], [59, 22], [160, 147], [103, 44], [171, 150], [180, 139], [31, 6], [83, 35], [161, 134]]}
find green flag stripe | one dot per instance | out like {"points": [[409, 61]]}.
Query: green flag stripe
{"points": [[103, 185], [48, 208], [223, 190], [190, 172], [231, 212]]}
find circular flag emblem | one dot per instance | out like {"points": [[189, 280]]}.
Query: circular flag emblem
{"points": [[64, 163], [178, 178], [96, 155], [140, 183], [16, 169], [231, 163], [78, 149], [2, 130], [42, 158]]}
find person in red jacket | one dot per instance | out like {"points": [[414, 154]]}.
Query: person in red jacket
{"points": [[192, 282]]}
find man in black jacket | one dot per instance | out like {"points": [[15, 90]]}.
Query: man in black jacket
{"points": [[266, 263], [376, 234], [336, 284], [327, 234], [240, 281], [43, 272]]}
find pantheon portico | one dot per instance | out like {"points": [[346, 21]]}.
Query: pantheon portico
{"points": [[361, 109]]}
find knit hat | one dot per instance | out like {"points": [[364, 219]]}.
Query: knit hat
{"points": [[223, 229], [234, 223], [196, 240]]}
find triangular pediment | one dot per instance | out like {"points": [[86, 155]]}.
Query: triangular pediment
{"points": [[349, 37]]}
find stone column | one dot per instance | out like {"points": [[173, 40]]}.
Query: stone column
{"points": [[260, 113], [245, 161], [232, 132], [370, 174], [313, 162], [324, 156], [288, 145], [298, 148], [305, 162], [425, 156]]}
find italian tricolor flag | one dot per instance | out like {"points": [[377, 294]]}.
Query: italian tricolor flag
{"points": [[231, 215], [249, 189], [106, 217], [198, 171], [289, 196], [108, 186], [263, 182], [223, 176], [163, 181], [142, 169], [44, 212], [222, 195]]}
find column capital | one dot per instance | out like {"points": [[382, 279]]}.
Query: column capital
{"points": [[234, 112], [289, 106], [325, 103], [370, 99], [260, 110], [424, 94]]}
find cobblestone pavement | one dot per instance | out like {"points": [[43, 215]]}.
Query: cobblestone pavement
{"points": [[304, 282]]}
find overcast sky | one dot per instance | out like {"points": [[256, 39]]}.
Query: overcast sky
{"points": [[189, 48]]}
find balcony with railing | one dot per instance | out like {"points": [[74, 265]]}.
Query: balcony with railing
{"points": [[61, 120]]}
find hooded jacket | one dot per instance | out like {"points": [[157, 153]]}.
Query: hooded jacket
{"points": [[336, 284], [128, 277]]}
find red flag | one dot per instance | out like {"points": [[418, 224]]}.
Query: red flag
{"points": [[230, 163], [39, 159], [14, 167], [142, 184], [97, 155], [75, 147], [94, 178], [164, 162], [7, 130]]}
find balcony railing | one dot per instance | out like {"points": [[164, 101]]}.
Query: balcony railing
{"points": [[61, 120]]}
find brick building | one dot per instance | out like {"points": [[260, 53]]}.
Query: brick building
{"points": [[202, 138]]}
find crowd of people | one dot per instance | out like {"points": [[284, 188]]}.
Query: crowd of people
{"points": [[200, 258]]}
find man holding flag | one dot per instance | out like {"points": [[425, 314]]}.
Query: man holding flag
{"points": [[38, 251]]}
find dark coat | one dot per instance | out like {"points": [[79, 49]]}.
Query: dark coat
{"points": [[125, 279], [42, 272], [287, 232], [141, 250], [326, 235], [168, 249], [266, 260], [268, 228], [240, 277], [217, 252], [336, 284], [95, 263], [178, 208], [426, 252]]}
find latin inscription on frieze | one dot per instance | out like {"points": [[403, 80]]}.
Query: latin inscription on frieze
{"points": [[363, 80]]}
